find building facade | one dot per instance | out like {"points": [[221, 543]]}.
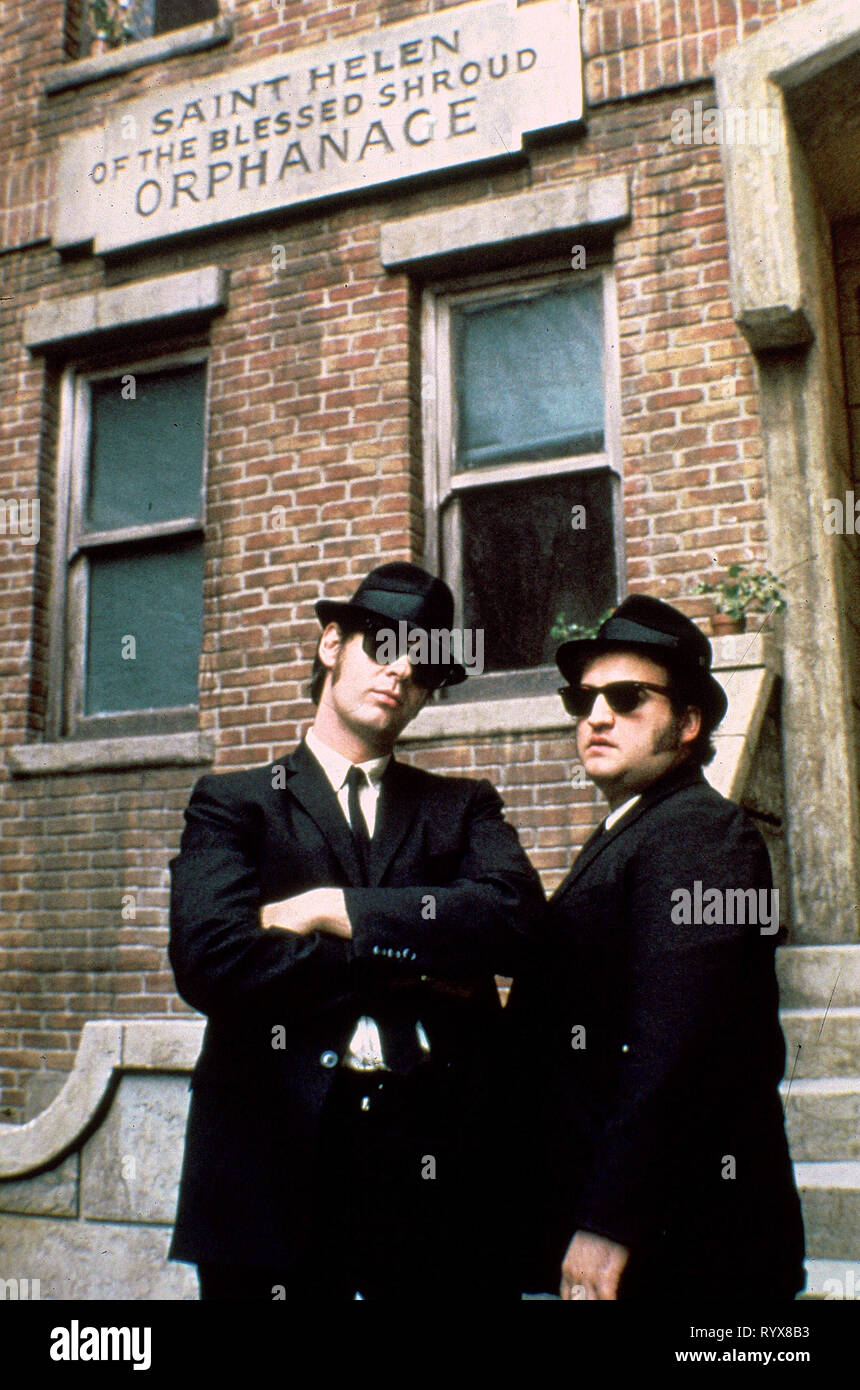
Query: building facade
{"points": [[560, 300]]}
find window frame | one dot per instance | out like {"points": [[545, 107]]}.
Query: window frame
{"points": [[87, 34], [66, 719], [443, 484]]}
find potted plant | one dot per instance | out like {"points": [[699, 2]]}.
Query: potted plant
{"points": [[741, 591], [564, 631]]}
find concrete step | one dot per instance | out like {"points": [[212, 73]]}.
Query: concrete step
{"points": [[830, 1194], [822, 1117], [815, 976], [821, 1042], [832, 1279]]}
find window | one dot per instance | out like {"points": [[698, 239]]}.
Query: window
{"points": [[134, 561], [116, 22], [521, 454]]}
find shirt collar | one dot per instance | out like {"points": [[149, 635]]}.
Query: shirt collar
{"points": [[336, 766], [621, 811]]}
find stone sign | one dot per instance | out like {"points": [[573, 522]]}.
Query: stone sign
{"points": [[449, 89]]}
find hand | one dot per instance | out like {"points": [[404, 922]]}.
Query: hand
{"points": [[319, 909], [592, 1268]]}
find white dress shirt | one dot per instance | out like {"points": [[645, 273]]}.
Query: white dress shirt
{"points": [[365, 1051], [336, 766]]}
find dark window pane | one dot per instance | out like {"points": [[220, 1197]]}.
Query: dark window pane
{"points": [[175, 14], [529, 377], [524, 563], [146, 453], [155, 597], [138, 18]]}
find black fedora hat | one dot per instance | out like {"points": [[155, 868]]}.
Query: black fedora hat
{"points": [[657, 630], [398, 592]]}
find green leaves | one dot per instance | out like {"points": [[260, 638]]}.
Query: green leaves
{"points": [[564, 631], [743, 591]]}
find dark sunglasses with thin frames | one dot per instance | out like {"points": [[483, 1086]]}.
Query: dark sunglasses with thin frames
{"points": [[373, 637], [622, 697]]}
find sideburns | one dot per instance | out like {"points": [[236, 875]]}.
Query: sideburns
{"points": [[669, 741]]}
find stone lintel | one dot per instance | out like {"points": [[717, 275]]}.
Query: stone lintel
{"points": [[167, 297], [579, 206]]}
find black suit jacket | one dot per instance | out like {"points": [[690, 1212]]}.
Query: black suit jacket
{"points": [[660, 1126], [450, 901]]}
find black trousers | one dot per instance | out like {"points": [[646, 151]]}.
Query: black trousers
{"points": [[400, 1202]]}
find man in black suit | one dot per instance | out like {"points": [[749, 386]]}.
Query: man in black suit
{"points": [[647, 1027], [340, 917]]}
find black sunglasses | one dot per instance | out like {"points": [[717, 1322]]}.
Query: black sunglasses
{"points": [[375, 640], [622, 697]]}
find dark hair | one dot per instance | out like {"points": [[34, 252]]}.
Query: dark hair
{"points": [[683, 695], [319, 670]]}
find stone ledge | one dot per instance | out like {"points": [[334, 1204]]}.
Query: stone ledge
{"points": [[739, 649], [535, 714], [89, 755], [578, 206], [134, 55], [106, 1049], [746, 664], [202, 291]]}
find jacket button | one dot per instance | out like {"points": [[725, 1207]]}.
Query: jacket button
{"points": [[329, 1059]]}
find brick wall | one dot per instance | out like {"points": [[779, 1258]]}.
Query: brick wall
{"points": [[315, 375]]}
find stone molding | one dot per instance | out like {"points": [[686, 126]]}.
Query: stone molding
{"points": [[166, 297], [106, 1050], [579, 206], [767, 263]]}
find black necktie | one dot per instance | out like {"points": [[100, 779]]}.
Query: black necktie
{"points": [[355, 779]]}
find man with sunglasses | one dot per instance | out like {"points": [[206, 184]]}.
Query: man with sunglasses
{"points": [[340, 917], [648, 1038]]}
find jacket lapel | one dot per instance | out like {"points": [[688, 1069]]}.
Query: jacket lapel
{"points": [[399, 803], [307, 782], [595, 846]]}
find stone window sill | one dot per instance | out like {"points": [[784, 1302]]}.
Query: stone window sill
{"points": [[747, 665], [111, 754], [138, 54]]}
